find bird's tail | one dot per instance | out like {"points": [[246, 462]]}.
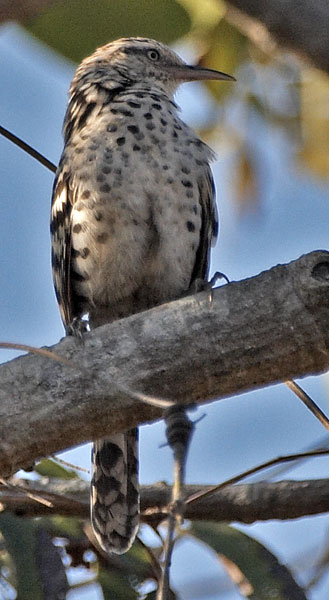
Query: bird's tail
{"points": [[114, 491]]}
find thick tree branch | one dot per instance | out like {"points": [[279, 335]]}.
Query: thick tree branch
{"points": [[255, 332], [301, 25], [244, 503]]}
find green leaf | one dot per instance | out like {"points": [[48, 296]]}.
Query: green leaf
{"points": [[116, 585], [19, 535], [77, 27], [226, 48], [124, 582], [262, 575], [39, 570], [50, 468], [67, 527]]}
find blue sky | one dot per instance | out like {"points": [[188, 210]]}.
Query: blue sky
{"points": [[237, 433]]}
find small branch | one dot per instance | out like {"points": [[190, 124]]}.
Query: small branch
{"points": [[253, 470], [244, 503], [27, 148], [255, 332], [309, 403], [179, 433]]}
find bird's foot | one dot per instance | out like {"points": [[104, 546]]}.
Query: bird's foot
{"points": [[78, 327]]}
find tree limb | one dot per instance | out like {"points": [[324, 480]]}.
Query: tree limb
{"points": [[301, 25], [243, 503], [255, 332]]}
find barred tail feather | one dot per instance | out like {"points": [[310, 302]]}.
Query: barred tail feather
{"points": [[114, 491]]}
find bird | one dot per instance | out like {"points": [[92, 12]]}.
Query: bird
{"points": [[132, 220]]}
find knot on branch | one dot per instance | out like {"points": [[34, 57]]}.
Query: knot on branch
{"points": [[320, 271]]}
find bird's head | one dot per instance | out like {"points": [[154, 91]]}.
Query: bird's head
{"points": [[140, 62]]}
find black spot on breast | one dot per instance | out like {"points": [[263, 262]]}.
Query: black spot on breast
{"points": [[148, 116], [125, 113], [111, 127], [98, 215], [84, 252], [136, 147], [156, 106], [117, 171], [114, 111], [174, 134], [121, 141], [77, 228], [150, 126], [133, 129], [187, 183], [105, 188], [190, 226], [133, 104], [102, 237], [186, 170], [85, 194], [163, 122], [106, 170]]}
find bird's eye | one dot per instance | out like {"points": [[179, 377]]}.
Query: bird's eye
{"points": [[153, 55]]}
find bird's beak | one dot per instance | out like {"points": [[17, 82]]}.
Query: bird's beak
{"points": [[195, 73]]}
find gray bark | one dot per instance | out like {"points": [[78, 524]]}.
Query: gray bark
{"points": [[255, 332]]}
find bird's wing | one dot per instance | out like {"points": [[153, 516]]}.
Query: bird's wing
{"points": [[209, 225], [61, 207]]}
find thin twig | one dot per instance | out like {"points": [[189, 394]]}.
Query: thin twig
{"points": [[65, 463], [40, 351], [265, 465], [162, 403], [311, 405], [27, 148], [179, 432], [26, 492]]}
